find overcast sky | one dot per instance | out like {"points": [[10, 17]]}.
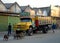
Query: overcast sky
{"points": [[34, 3]]}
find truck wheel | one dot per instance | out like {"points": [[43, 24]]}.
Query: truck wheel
{"points": [[30, 31], [44, 30]]}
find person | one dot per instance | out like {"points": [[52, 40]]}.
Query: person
{"points": [[53, 27], [9, 29]]}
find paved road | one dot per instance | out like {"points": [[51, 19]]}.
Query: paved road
{"points": [[50, 37]]}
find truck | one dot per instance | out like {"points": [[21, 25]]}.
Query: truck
{"points": [[31, 25]]}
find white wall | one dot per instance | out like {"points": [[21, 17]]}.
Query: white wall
{"points": [[39, 12], [32, 12], [15, 8], [27, 9], [44, 13], [2, 7]]}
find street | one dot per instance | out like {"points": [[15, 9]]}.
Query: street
{"points": [[50, 37]]}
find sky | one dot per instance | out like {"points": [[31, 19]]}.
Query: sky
{"points": [[34, 3]]}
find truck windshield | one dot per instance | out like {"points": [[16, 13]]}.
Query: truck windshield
{"points": [[25, 19]]}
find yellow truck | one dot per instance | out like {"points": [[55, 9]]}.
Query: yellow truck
{"points": [[30, 25], [25, 25]]}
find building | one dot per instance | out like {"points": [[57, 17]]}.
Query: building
{"points": [[44, 11], [13, 7], [8, 15], [28, 9], [55, 14]]}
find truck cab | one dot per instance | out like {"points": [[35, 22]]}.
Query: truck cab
{"points": [[25, 25]]}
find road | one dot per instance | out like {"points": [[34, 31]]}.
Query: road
{"points": [[50, 37]]}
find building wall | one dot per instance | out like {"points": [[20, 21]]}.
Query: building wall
{"points": [[27, 9], [55, 11], [39, 12], [45, 13], [15, 8], [58, 22], [3, 23], [5, 20], [2, 7], [13, 20], [32, 12]]}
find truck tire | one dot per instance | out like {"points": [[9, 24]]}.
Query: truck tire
{"points": [[44, 30], [30, 31]]}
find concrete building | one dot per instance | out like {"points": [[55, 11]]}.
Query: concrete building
{"points": [[13, 7], [8, 16], [55, 14], [28, 9]]}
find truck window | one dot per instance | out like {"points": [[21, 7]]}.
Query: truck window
{"points": [[25, 19]]}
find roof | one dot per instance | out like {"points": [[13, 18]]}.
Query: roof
{"points": [[36, 9], [2, 2], [23, 7], [8, 5], [46, 9], [42, 9]]}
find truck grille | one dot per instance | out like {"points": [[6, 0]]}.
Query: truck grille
{"points": [[21, 26]]}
